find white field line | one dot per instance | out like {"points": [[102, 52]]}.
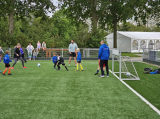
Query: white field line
{"points": [[142, 98]]}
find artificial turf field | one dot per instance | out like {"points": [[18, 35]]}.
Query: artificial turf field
{"points": [[44, 93]]}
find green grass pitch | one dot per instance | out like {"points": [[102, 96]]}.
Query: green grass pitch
{"points": [[44, 93]]}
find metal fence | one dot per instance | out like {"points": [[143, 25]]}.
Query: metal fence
{"points": [[151, 56], [86, 53]]}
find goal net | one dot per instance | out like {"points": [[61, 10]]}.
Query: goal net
{"points": [[123, 68]]}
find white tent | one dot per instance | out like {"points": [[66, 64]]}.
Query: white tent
{"points": [[135, 41]]}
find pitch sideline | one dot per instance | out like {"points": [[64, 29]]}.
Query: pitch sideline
{"points": [[135, 92]]}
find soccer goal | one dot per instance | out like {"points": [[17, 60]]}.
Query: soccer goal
{"points": [[123, 68]]}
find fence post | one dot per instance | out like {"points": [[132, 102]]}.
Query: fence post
{"points": [[62, 52], [120, 67], [112, 62], [10, 52]]}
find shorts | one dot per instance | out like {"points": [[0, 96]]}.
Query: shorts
{"points": [[34, 56], [73, 54], [61, 63], [78, 61], [103, 65], [38, 46], [7, 65]]}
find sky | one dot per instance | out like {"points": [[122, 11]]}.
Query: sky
{"points": [[55, 2]]}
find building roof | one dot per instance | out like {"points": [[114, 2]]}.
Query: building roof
{"points": [[140, 35]]}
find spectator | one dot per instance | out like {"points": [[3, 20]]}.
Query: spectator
{"points": [[34, 54], [43, 47], [29, 49], [104, 54], [38, 46], [72, 48]]}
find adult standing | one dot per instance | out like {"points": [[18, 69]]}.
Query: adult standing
{"points": [[30, 48], [17, 56], [43, 47], [103, 55], [72, 48]]}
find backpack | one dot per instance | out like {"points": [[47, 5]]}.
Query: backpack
{"points": [[147, 70], [158, 72]]}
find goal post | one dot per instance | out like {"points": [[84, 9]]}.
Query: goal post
{"points": [[123, 68]]}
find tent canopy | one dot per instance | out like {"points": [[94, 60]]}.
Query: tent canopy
{"points": [[129, 41], [141, 35]]}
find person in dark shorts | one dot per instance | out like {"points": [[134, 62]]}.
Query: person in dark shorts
{"points": [[79, 60], [22, 54], [103, 55], [72, 48], [60, 61], [17, 56], [54, 60], [7, 65]]}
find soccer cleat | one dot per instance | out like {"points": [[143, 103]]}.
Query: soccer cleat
{"points": [[9, 74], [24, 67], [12, 67], [69, 65], [96, 73], [54, 67], [101, 76], [67, 70], [107, 76], [82, 70], [3, 74], [76, 70]]}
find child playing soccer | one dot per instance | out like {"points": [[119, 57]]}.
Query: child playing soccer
{"points": [[54, 59], [79, 60], [60, 61], [1, 51], [17, 56], [22, 54], [7, 65], [99, 67], [34, 54]]}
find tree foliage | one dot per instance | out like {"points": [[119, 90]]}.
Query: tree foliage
{"points": [[56, 31]]}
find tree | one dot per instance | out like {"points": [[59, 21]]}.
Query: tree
{"points": [[24, 8], [80, 10], [121, 10]]}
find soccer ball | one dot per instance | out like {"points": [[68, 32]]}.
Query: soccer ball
{"points": [[128, 74], [38, 64]]}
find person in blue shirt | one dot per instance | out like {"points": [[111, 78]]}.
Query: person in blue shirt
{"points": [[103, 55], [79, 60], [54, 59], [6, 61], [22, 54]]}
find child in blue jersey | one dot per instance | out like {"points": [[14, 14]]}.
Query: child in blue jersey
{"points": [[54, 59], [7, 65], [79, 59], [22, 54]]}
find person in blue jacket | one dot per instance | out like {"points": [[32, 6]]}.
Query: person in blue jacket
{"points": [[103, 55], [79, 60], [54, 59], [6, 61]]}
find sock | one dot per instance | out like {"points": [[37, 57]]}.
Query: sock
{"points": [[9, 71], [77, 67], [4, 71], [97, 71], [81, 67], [66, 68], [103, 72]]}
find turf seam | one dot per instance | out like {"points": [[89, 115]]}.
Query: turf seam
{"points": [[135, 92]]}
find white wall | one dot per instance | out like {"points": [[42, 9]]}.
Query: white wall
{"points": [[123, 42]]}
